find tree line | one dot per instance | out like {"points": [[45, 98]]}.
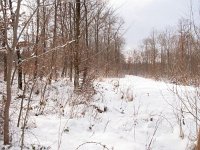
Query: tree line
{"points": [[172, 54]]}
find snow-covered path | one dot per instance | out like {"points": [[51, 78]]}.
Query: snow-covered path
{"points": [[147, 122]]}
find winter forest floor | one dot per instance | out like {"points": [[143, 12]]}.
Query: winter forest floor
{"points": [[130, 113]]}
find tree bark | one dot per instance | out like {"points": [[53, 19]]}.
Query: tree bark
{"points": [[15, 21], [19, 69], [54, 55], [70, 46], [5, 56], [85, 71], [37, 42], [198, 142], [76, 51]]}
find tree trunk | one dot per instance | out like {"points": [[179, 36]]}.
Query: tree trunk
{"points": [[54, 54], [76, 52], [85, 71], [37, 42], [5, 66], [19, 69], [198, 142], [5, 56], [8, 100], [15, 21], [70, 38]]}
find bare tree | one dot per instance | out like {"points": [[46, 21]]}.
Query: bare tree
{"points": [[10, 50]]}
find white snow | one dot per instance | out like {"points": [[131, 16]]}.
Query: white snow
{"points": [[147, 122]]}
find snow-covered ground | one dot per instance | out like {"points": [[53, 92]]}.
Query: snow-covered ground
{"points": [[130, 113]]}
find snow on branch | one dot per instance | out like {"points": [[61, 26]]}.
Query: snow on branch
{"points": [[49, 51]]}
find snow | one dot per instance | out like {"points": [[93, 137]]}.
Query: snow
{"points": [[147, 122]]}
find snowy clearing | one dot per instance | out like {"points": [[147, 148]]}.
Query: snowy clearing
{"points": [[130, 113]]}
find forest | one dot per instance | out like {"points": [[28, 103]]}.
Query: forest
{"points": [[66, 82]]}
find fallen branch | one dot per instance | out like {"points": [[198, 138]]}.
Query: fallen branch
{"points": [[97, 143]]}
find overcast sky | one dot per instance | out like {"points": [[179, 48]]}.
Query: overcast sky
{"points": [[142, 16]]}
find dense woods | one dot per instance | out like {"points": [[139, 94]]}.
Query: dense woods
{"points": [[48, 39], [57, 38]]}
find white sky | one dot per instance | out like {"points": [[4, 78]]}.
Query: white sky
{"points": [[142, 16]]}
